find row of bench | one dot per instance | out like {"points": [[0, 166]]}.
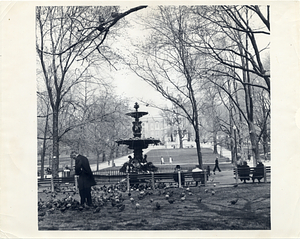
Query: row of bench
{"points": [[182, 178]]}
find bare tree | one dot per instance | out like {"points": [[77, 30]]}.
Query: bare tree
{"points": [[177, 123], [169, 65], [67, 38], [234, 30], [229, 37]]}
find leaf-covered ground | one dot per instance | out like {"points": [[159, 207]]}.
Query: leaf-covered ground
{"points": [[194, 208]]}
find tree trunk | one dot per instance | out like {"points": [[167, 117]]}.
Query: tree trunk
{"points": [[103, 156], [215, 143], [265, 135], [265, 142], [232, 150], [98, 159], [55, 159], [254, 143], [180, 138], [42, 163], [197, 140], [44, 147]]}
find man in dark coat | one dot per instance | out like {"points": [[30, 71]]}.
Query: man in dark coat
{"points": [[216, 165], [86, 179]]}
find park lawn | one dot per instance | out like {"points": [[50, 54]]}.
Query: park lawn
{"points": [[214, 212], [186, 157], [182, 156]]}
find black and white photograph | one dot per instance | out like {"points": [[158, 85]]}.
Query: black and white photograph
{"points": [[159, 118]]}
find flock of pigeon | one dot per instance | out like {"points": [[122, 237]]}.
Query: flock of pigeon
{"points": [[112, 196]]}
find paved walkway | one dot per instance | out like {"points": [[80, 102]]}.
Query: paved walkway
{"points": [[118, 161], [222, 178]]}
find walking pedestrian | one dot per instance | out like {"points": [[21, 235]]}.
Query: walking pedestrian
{"points": [[162, 161], [216, 165], [86, 179], [170, 160]]}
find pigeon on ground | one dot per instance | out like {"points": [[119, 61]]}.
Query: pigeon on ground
{"points": [[80, 208], [199, 199], [113, 203], [122, 207], [137, 206], [41, 214], [96, 210], [140, 197], [233, 202], [171, 201]]}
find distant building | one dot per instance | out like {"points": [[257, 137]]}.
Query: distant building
{"points": [[157, 127]]}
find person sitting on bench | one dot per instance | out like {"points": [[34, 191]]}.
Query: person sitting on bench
{"points": [[175, 175], [244, 172], [258, 172]]}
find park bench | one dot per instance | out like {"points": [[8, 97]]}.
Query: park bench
{"points": [[187, 178], [62, 180], [54, 182], [108, 179], [195, 177], [252, 173]]}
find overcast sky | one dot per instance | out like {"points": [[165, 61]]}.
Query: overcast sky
{"points": [[127, 83]]}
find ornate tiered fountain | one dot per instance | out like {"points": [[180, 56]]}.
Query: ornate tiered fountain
{"points": [[138, 162]]}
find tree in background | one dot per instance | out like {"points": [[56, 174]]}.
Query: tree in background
{"points": [[170, 65], [177, 123], [231, 37], [69, 42]]}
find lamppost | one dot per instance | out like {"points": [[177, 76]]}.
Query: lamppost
{"points": [[235, 151]]}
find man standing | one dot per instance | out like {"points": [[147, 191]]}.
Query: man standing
{"points": [[86, 179], [216, 165]]}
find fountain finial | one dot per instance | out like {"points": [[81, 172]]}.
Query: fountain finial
{"points": [[136, 106]]}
